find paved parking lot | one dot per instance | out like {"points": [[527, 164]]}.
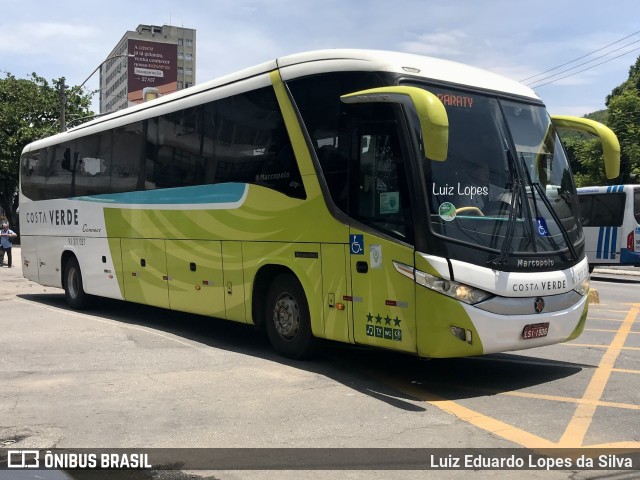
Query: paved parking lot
{"points": [[125, 375]]}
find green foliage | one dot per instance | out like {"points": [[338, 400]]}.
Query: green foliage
{"points": [[29, 110], [624, 120], [598, 116], [623, 117]]}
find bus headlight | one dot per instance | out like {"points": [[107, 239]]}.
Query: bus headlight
{"points": [[583, 288], [459, 291]]}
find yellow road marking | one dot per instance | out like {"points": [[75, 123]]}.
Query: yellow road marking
{"points": [[606, 330], [607, 309], [582, 417], [626, 370], [597, 403], [600, 346], [492, 425], [576, 430]]}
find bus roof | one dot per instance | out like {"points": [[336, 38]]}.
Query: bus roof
{"points": [[402, 63], [308, 63]]}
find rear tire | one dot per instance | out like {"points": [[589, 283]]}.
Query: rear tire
{"points": [[73, 288], [287, 318]]}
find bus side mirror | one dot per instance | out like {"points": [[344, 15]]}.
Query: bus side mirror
{"points": [[610, 144], [434, 122], [66, 162]]}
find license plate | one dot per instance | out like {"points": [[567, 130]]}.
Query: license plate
{"points": [[535, 330]]}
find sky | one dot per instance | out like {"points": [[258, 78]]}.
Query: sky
{"points": [[518, 39]]}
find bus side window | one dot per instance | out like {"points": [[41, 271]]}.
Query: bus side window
{"points": [[636, 204], [335, 169], [602, 210], [586, 207], [380, 192]]}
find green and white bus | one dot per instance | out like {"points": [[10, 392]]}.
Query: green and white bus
{"points": [[367, 197]]}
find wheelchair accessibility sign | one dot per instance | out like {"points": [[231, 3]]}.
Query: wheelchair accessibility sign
{"points": [[541, 225], [357, 244]]}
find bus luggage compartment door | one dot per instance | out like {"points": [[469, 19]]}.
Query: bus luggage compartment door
{"points": [[144, 267], [194, 269]]}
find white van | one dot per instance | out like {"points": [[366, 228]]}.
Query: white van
{"points": [[611, 223]]}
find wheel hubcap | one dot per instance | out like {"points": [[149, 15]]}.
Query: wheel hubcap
{"points": [[286, 316]]}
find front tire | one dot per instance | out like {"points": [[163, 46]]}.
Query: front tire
{"points": [[73, 288], [287, 318]]}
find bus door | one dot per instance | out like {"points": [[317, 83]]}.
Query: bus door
{"points": [[380, 234]]}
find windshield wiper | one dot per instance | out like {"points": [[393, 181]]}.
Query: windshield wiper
{"points": [[511, 223], [554, 215], [547, 203]]}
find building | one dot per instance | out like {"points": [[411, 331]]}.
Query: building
{"points": [[163, 58]]}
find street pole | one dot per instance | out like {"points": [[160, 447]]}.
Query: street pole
{"points": [[63, 105], [63, 89]]}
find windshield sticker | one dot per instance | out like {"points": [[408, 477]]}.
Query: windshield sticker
{"points": [[389, 202], [375, 256], [541, 225], [447, 211]]}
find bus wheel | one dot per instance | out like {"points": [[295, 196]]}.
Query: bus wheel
{"points": [[73, 289], [287, 318]]}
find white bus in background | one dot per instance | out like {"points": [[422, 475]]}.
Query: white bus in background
{"points": [[611, 223]]}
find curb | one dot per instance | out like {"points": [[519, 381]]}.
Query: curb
{"points": [[615, 271]]}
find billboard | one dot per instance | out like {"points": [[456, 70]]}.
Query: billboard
{"points": [[153, 64]]}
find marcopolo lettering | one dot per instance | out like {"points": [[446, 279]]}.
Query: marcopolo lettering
{"points": [[543, 262]]}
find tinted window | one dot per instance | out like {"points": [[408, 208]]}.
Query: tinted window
{"points": [[236, 139], [602, 210], [127, 157], [33, 173], [245, 140], [176, 141], [92, 175], [379, 189], [636, 204], [318, 99]]}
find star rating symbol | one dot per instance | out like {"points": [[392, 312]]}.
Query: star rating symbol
{"points": [[387, 320], [396, 322], [369, 318], [379, 319]]}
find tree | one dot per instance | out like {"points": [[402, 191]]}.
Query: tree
{"points": [[624, 120], [29, 110], [623, 117]]}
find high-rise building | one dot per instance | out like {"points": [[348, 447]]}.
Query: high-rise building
{"points": [[159, 58]]}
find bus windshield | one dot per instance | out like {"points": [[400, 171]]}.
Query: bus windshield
{"points": [[506, 185]]}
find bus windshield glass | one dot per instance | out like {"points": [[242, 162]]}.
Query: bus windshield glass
{"points": [[506, 186]]}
